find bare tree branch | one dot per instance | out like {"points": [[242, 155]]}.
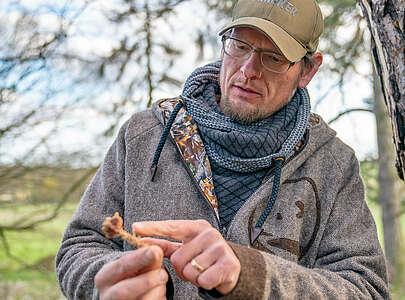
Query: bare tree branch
{"points": [[148, 53], [349, 111], [7, 249]]}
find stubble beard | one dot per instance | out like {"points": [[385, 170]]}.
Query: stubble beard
{"points": [[245, 115], [240, 114]]}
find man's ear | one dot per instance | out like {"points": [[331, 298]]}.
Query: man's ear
{"points": [[309, 71]]}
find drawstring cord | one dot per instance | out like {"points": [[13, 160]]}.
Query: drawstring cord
{"points": [[163, 138], [257, 230]]}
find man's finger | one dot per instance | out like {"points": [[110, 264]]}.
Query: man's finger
{"points": [[181, 230], [135, 287], [220, 277], [190, 273], [158, 293], [204, 241], [168, 247], [129, 265]]}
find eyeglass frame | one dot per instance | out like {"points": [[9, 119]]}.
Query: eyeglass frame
{"points": [[253, 49]]}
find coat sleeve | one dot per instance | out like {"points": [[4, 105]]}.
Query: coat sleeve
{"points": [[84, 249], [349, 262]]}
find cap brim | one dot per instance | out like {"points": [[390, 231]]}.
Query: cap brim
{"points": [[290, 48]]}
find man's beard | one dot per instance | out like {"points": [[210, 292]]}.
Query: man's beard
{"points": [[248, 116], [243, 116]]}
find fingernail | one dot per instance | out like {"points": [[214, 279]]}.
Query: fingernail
{"points": [[135, 227]]}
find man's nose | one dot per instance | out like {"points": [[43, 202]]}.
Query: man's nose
{"points": [[252, 67]]}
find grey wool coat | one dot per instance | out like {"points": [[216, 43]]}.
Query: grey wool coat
{"points": [[319, 241]]}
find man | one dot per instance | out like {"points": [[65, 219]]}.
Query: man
{"points": [[253, 197]]}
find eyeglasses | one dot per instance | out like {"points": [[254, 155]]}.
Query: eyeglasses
{"points": [[270, 60]]}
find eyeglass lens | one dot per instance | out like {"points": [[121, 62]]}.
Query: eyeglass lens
{"points": [[242, 50]]}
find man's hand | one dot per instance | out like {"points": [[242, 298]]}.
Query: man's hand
{"points": [[201, 243], [137, 275]]}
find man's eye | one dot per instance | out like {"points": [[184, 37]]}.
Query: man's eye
{"points": [[274, 59], [241, 46]]}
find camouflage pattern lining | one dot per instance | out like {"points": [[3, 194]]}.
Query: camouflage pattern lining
{"points": [[188, 141]]}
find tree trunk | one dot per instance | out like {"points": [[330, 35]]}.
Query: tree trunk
{"points": [[385, 20], [388, 195]]}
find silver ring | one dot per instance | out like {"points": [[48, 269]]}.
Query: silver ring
{"points": [[197, 266]]}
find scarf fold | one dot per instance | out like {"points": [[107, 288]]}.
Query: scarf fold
{"points": [[236, 146]]}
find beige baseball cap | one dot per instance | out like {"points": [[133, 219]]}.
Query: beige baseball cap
{"points": [[293, 25]]}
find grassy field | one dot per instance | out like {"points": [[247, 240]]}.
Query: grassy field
{"points": [[31, 276]]}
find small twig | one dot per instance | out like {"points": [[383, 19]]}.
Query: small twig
{"points": [[113, 227], [349, 111], [7, 249]]}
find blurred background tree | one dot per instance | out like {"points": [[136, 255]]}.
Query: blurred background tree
{"points": [[73, 71], [347, 56], [57, 73]]}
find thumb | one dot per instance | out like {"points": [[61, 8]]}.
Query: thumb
{"points": [[155, 257]]}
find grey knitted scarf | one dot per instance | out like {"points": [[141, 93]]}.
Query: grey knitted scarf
{"points": [[239, 146]]}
